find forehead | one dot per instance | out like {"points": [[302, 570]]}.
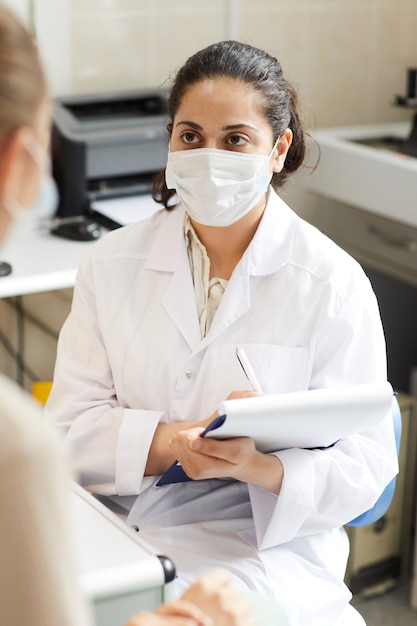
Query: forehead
{"points": [[222, 98]]}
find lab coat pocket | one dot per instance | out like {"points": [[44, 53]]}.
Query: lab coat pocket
{"points": [[278, 369]]}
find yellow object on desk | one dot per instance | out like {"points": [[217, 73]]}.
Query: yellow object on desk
{"points": [[41, 390]]}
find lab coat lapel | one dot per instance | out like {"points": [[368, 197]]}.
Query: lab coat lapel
{"points": [[179, 302], [234, 303], [267, 253], [169, 256]]}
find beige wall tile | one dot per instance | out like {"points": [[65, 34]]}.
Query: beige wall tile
{"points": [[394, 50], [284, 33], [125, 49], [345, 57], [154, 5], [111, 52], [339, 64], [44, 314], [325, 49], [101, 6], [8, 328], [408, 31], [172, 46], [193, 6]]}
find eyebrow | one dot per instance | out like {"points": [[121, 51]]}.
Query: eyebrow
{"points": [[230, 127], [239, 126], [192, 124]]}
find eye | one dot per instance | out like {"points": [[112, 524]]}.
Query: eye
{"points": [[237, 140], [189, 137]]}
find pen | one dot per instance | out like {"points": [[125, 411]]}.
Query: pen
{"points": [[247, 369]]}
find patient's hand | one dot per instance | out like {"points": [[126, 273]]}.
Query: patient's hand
{"points": [[223, 604], [208, 602]]}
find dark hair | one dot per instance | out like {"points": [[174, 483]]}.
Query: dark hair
{"points": [[260, 70], [22, 81]]}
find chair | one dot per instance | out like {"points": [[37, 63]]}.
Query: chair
{"points": [[382, 504]]}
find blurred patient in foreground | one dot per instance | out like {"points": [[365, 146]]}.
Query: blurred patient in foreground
{"points": [[38, 585]]}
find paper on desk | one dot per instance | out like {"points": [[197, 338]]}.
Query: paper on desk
{"points": [[126, 210]]}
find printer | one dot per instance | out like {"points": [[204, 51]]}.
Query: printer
{"points": [[107, 146]]}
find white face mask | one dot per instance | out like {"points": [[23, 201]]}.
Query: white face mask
{"points": [[27, 219], [218, 187]]}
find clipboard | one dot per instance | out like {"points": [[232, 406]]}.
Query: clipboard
{"points": [[309, 419]]}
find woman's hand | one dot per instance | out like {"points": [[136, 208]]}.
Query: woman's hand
{"points": [[210, 601], [236, 458], [161, 454]]}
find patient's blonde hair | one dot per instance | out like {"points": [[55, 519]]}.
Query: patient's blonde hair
{"points": [[22, 81]]}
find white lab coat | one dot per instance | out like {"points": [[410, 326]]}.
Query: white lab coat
{"points": [[131, 355]]}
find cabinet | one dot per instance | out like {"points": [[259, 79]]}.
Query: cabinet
{"points": [[413, 596]]}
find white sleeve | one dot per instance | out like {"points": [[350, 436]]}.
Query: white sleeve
{"points": [[324, 489], [108, 443]]}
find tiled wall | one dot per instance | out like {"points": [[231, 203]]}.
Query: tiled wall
{"points": [[347, 57], [29, 329]]}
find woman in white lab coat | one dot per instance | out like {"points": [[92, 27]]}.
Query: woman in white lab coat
{"points": [[148, 351], [38, 581]]}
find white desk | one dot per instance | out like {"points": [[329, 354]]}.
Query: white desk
{"points": [[48, 262], [119, 573], [45, 263]]}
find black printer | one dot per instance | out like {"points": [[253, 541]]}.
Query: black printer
{"points": [[107, 145]]}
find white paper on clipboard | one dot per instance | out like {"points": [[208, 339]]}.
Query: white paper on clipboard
{"points": [[305, 419]]}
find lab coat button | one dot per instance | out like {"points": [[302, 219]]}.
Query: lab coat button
{"points": [[190, 374]]}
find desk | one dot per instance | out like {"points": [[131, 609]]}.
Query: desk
{"points": [[46, 263], [41, 263], [119, 573]]}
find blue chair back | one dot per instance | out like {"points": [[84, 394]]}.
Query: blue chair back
{"points": [[381, 506]]}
